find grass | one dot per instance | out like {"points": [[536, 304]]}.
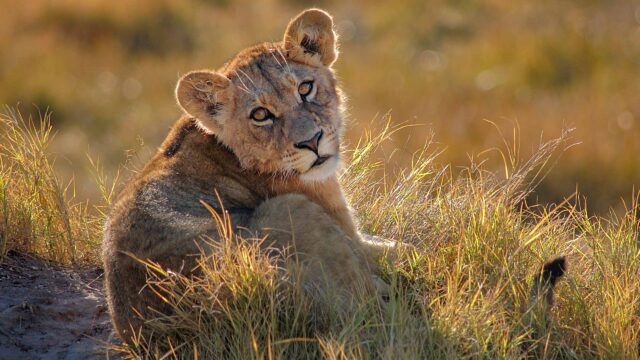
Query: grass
{"points": [[38, 211], [463, 293]]}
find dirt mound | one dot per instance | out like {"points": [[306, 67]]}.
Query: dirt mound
{"points": [[51, 312]]}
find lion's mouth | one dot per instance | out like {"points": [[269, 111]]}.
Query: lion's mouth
{"points": [[320, 160], [322, 167]]}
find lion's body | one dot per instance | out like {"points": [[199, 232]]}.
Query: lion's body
{"points": [[269, 178]]}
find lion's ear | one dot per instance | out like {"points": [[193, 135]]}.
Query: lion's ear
{"points": [[206, 96], [310, 38]]}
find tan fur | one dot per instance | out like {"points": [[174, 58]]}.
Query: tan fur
{"points": [[268, 185]]}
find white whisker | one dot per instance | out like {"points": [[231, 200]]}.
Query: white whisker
{"points": [[244, 86], [248, 77], [276, 59], [285, 61]]}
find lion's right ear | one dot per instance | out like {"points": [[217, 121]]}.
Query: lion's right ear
{"points": [[310, 38], [207, 96]]}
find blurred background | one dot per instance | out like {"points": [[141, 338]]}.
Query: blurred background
{"points": [[107, 70]]}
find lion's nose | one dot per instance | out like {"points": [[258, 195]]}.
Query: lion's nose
{"points": [[311, 144]]}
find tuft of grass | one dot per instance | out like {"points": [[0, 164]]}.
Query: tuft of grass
{"points": [[38, 210]]}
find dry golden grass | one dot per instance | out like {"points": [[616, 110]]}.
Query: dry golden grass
{"points": [[38, 211]]}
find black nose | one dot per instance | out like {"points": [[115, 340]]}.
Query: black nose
{"points": [[311, 144]]}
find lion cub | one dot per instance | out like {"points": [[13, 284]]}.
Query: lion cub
{"points": [[263, 133]]}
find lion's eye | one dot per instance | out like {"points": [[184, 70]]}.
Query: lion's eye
{"points": [[261, 114], [305, 88]]}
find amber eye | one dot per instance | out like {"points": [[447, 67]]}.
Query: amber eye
{"points": [[261, 114], [305, 88]]}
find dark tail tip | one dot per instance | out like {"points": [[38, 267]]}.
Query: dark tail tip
{"points": [[554, 270]]}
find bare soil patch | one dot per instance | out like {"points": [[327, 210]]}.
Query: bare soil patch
{"points": [[51, 312]]}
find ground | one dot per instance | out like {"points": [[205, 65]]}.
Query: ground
{"points": [[51, 312]]}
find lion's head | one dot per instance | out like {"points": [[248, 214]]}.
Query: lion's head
{"points": [[277, 106]]}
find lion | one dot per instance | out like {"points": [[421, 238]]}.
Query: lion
{"points": [[261, 139]]}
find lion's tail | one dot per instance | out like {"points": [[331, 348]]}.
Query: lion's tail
{"points": [[545, 282], [537, 316]]}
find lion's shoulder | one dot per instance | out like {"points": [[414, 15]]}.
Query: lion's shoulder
{"points": [[189, 167]]}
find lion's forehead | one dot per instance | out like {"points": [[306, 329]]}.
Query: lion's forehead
{"points": [[269, 79]]}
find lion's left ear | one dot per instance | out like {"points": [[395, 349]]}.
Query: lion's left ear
{"points": [[310, 38]]}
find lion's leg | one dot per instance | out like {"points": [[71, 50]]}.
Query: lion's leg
{"points": [[319, 244], [131, 299], [184, 240]]}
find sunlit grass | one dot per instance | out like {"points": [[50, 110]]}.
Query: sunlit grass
{"points": [[38, 210]]}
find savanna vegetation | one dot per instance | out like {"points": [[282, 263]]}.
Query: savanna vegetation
{"points": [[482, 227]]}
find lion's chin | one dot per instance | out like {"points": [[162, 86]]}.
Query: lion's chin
{"points": [[321, 172]]}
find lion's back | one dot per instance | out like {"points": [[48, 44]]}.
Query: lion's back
{"points": [[159, 216]]}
